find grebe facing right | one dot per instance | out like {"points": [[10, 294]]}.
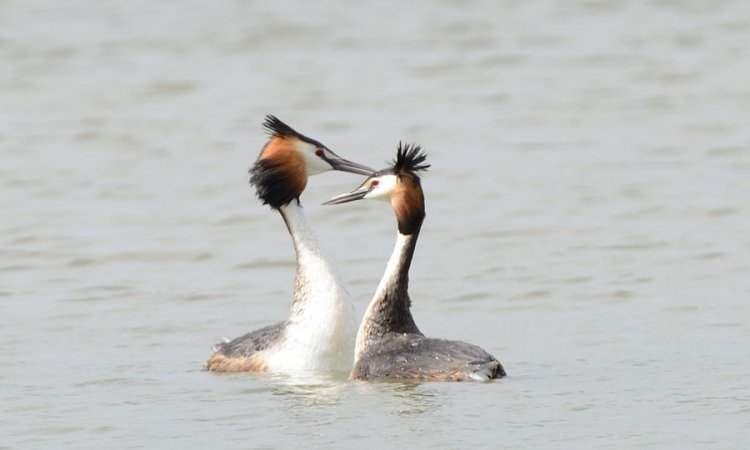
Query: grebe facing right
{"points": [[389, 343], [319, 334]]}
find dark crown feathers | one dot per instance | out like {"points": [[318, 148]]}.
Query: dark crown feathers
{"points": [[276, 127], [409, 158]]}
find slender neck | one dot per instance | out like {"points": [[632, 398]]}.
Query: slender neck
{"points": [[314, 273], [389, 311], [303, 237]]}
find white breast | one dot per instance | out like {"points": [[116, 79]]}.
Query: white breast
{"points": [[322, 326]]}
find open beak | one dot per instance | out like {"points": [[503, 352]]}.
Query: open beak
{"points": [[345, 165], [357, 194]]}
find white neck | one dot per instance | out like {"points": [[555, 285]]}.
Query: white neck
{"points": [[390, 277], [320, 331]]}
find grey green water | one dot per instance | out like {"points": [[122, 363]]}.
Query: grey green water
{"points": [[587, 221]]}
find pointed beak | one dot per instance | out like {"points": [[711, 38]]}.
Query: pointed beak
{"points": [[357, 194], [344, 165]]}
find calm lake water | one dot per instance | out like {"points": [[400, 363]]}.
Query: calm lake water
{"points": [[588, 218]]}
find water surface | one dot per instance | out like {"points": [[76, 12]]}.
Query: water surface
{"points": [[587, 218]]}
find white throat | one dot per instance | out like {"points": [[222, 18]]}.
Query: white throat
{"points": [[391, 272], [320, 332]]}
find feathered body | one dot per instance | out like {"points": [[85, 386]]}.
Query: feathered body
{"points": [[389, 344]]}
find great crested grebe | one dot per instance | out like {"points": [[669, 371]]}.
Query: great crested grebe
{"points": [[319, 334], [389, 344]]}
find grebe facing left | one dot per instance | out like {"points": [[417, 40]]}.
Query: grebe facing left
{"points": [[389, 344], [319, 334]]}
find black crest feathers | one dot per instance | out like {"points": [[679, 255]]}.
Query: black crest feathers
{"points": [[277, 128], [409, 158]]}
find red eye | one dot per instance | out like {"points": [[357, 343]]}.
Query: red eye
{"points": [[374, 183], [319, 152]]}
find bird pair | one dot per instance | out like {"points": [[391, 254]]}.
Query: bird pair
{"points": [[321, 332]]}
